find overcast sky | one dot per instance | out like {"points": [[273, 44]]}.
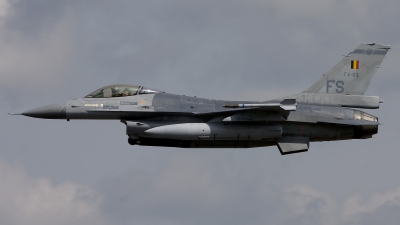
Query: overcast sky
{"points": [[85, 172]]}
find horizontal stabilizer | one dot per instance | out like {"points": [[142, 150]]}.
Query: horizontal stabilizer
{"points": [[290, 145], [353, 101]]}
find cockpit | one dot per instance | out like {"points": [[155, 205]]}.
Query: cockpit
{"points": [[122, 90]]}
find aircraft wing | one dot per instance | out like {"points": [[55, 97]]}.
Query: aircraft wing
{"points": [[284, 108]]}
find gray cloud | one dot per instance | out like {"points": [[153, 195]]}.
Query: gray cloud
{"points": [[190, 189], [309, 205], [27, 200]]}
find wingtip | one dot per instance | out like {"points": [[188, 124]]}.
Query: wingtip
{"points": [[14, 114], [289, 101]]}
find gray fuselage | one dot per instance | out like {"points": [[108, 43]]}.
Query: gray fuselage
{"points": [[163, 119]]}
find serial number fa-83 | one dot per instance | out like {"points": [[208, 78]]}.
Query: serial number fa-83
{"points": [[324, 112]]}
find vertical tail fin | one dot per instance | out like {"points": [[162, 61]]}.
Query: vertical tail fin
{"points": [[353, 74]]}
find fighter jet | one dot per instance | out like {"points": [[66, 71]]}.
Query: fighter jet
{"points": [[326, 111]]}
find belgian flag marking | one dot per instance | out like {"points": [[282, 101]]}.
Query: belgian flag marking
{"points": [[355, 64]]}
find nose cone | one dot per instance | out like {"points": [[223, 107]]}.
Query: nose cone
{"points": [[55, 111]]}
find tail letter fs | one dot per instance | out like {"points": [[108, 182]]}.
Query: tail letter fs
{"points": [[339, 85]]}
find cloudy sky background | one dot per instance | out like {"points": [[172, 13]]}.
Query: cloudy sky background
{"points": [[84, 172]]}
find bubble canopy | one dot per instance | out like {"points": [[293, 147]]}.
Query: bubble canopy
{"points": [[121, 90]]}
